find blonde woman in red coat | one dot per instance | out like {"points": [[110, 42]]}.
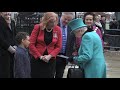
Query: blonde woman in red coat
{"points": [[45, 44]]}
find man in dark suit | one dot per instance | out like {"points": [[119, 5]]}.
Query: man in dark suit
{"points": [[7, 42], [103, 21], [114, 24], [68, 39]]}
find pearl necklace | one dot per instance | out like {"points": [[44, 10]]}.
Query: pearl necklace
{"points": [[48, 30]]}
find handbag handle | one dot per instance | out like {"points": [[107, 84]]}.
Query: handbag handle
{"points": [[76, 65], [73, 65]]}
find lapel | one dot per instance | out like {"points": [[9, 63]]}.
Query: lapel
{"points": [[9, 29], [41, 37], [12, 27]]}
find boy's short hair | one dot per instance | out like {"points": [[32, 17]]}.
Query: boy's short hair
{"points": [[20, 36]]}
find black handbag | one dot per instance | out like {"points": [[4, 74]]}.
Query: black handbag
{"points": [[75, 72]]}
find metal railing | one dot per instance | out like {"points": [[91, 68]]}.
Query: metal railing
{"points": [[112, 38]]}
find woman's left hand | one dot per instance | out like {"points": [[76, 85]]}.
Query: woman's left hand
{"points": [[48, 57]]}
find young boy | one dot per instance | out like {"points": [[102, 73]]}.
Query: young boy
{"points": [[22, 67]]}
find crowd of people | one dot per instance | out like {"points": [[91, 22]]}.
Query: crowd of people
{"points": [[36, 55]]}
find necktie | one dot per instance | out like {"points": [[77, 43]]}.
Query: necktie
{"points": [[63, 40]]}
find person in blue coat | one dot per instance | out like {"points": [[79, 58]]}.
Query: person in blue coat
{"points": [[90, 55]]}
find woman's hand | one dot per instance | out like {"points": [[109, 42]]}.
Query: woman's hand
{"points": [[48, 57], [43, 58]]}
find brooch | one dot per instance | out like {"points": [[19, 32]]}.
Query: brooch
{"points": [[55, 35]]}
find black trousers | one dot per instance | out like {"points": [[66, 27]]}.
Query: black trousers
{"points": [[5, 65], [41, 69], [11, 65], [60, 67]]}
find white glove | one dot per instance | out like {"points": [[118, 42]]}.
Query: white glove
{"points": [[11, 50], [15, 47]]}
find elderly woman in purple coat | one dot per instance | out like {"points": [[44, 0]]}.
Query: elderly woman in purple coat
{"points": [[88, 19]]}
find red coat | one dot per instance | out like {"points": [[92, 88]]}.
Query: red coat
{"points": [[53, 48]]}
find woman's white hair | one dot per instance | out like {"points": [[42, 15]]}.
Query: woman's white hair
{"points": [[72, 14], [83, 29]]}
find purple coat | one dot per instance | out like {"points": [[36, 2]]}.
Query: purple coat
{"points": [[99, 33]]}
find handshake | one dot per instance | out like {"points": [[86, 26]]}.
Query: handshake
{"points": [[70, 59], [46, 58]]}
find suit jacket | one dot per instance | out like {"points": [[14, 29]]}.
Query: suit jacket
{"points": [[103, 24], [70, 45], [37, 43], [91, 57], [7, 35], [22, 67]]}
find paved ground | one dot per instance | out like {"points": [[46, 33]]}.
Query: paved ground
{"points": [[113, 64]]}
